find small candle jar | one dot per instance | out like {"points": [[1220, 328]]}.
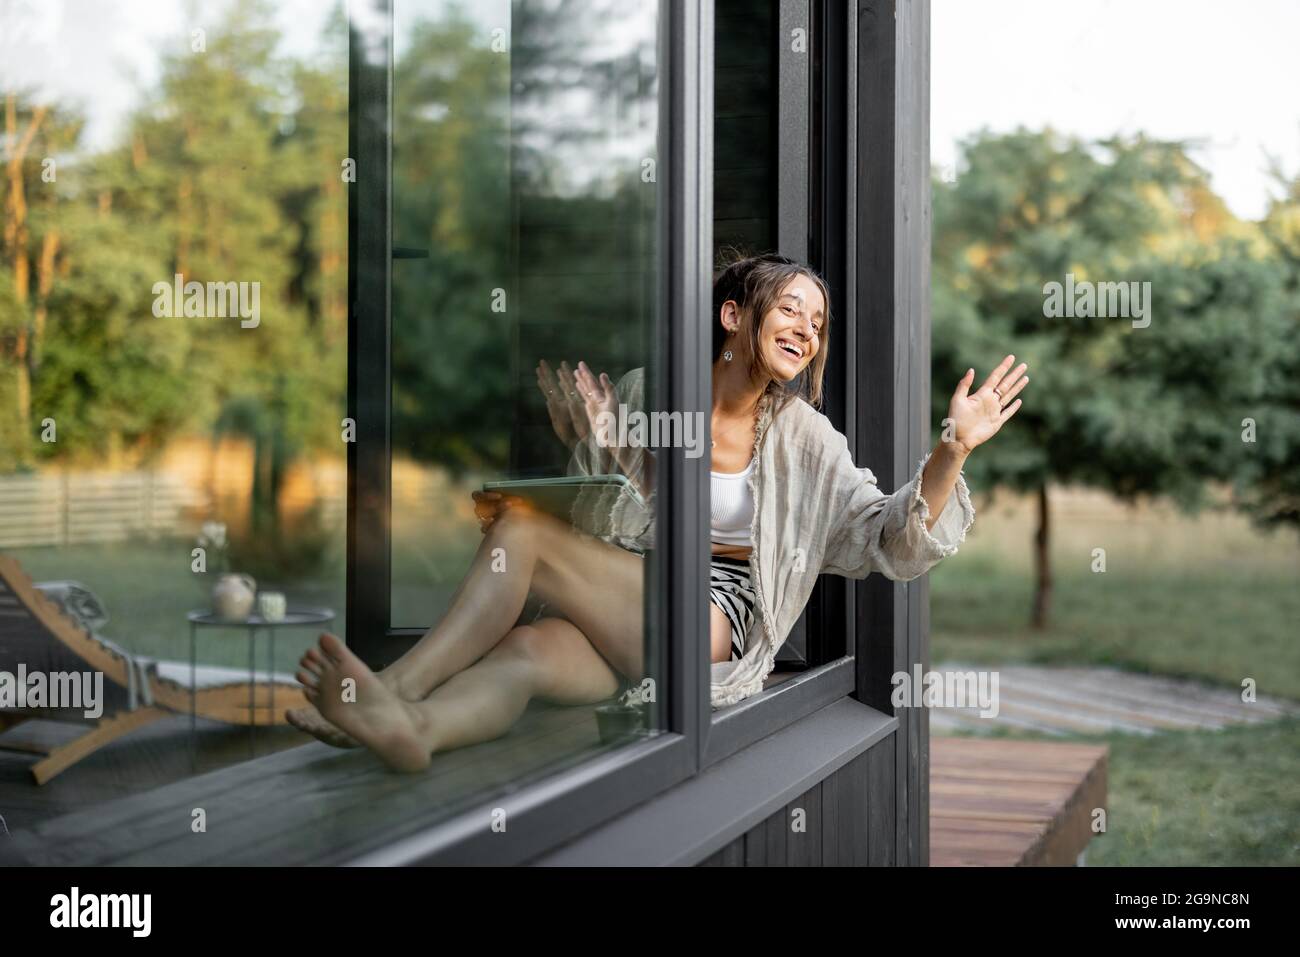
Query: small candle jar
{"points": [[271, 605]]}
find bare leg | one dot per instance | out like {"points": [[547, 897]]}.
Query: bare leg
{"points": [[719, 635], [549, 658], [593, 584]]}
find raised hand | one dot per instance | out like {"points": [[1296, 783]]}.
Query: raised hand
{"points": [[598, 396], [563, 403], [977, 416]]}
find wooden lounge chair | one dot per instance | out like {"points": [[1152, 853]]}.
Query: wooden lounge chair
{"points": [[35, 631]]}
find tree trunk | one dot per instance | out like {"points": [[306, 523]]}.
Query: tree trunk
{"points": [[15, 244], [44, 286], [1042, 563]]}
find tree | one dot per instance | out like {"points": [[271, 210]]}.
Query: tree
{"points": [[1136, 411], [36, 137], [229, 169], [1269, 484]]}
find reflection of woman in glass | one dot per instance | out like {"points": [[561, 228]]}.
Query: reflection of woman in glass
{"points": [[787, 504]]}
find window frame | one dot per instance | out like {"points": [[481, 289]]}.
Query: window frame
{"points": [[563, 804], [881, 287], [818, 97]]}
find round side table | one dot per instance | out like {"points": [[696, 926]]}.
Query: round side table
{"points": [[205, 618]]}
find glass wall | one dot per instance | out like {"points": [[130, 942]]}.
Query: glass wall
{"points": [[173, 356], [526, 204], [174, 349], [524, 214]]}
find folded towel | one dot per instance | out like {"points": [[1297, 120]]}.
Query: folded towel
{"points": [[84, 607], [78, 602]]}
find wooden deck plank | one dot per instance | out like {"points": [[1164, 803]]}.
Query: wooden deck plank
{"points": [[151, 757], [1000, 802], [311, 804]]}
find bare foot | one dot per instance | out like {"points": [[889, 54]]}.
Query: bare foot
{"points": [[308, 719], [311, 721], [354, 699]]}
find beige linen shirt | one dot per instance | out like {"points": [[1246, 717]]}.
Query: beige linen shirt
{"points": [[815, 512]]}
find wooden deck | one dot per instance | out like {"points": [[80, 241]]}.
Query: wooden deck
{"points": [[308, 804], [1000, 802], [994, 802], [152, 757]]}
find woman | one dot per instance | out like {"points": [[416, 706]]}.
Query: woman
{"points": [[787, 504]]}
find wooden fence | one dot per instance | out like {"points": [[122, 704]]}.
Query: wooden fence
{"points": [[71, 508]]}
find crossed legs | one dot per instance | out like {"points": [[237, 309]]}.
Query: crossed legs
{"points": [[471, 676]]}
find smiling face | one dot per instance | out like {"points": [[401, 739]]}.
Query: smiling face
{"points": [[772, 324], [791, 333]]}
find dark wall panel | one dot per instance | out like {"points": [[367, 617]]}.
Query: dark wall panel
{"points": [[848, 821]]}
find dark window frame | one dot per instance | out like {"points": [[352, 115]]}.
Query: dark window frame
{"points": [[817, 100], [882, 193], [563, 805]]}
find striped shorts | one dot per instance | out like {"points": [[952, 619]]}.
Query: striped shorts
{"points": [[730, 590]]}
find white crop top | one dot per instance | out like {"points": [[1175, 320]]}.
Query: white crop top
{"points": [[731, 506]]}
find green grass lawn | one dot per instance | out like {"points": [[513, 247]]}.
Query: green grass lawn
{"points": [[148, 587], [1209, 598], [1207, 798]]}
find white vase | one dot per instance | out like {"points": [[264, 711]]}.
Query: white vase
{"points": [[233, 596]]}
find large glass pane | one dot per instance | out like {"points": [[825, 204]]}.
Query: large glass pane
{"points": [[173, 370], [173, 355], [526, 201]]}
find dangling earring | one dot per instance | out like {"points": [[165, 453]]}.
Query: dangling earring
{"points": [[728, 356]]}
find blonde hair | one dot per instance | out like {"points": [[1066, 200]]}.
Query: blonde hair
{"points": [[755, 283]]}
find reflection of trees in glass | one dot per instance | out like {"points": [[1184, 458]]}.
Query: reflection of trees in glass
{"points": [[520, 171], [37, 138], [584, 124], [584, 107], [228, 170], [450, 199]]}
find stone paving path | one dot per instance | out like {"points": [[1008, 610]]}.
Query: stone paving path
{"points": [[1097, 700]]}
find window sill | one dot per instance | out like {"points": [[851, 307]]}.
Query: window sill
{"points": [[779, 704], [688, 823]]}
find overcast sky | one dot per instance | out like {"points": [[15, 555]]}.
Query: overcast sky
{"points": [[99, 54], [1225, 75]]}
